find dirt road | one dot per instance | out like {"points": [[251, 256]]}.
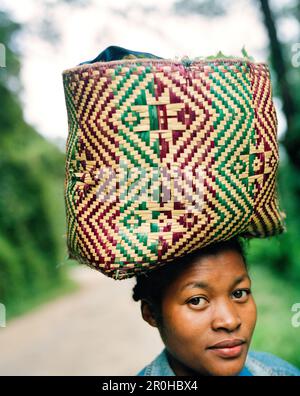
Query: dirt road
{"points": [[97, 330]]}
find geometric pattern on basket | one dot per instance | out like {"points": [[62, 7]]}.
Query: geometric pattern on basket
{"points": [[163, 159]]}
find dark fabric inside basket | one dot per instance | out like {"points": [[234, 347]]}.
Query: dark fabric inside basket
{"points": [[113, 53]]}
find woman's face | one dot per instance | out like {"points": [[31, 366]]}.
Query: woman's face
{"points": [[210, 303]]}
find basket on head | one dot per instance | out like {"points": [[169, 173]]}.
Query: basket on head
{"points": [[167, 156]]}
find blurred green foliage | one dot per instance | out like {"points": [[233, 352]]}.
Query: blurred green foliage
{"points": [[275, 297], [32, 218]]}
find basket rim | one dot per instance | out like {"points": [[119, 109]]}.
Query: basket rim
{"points": [[170, 61]]}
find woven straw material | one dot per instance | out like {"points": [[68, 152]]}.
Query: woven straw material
{"points": [[165, 157]]}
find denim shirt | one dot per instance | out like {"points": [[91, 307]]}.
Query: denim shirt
{"points": [[257, 364]]}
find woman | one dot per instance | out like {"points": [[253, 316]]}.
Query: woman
{"points": [[204, 310]]}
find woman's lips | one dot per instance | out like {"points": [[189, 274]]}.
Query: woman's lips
{"points": [[228, 348]]}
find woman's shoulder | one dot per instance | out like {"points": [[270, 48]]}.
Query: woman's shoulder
{"points": [[158, 367], [267, 364], [142, 372]]}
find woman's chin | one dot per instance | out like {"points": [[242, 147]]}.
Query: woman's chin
{"points": [[229, 369], [226, 367], [227, 363]]}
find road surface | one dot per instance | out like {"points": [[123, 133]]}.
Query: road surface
{"points": [[96, 330]]}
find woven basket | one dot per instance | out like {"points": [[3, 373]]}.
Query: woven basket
{"points": [[165, 157]]}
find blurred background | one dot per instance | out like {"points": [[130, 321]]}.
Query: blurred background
{"points": [[59, 317]]}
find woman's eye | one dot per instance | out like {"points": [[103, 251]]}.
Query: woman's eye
{"points": [[241, 294], [198, 301]]}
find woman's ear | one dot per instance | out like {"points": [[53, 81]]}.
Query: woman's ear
{"points": [[148, 313]]}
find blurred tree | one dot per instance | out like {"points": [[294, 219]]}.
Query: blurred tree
{"points": [[9, 74], [286, 258], [291, 140], [31, 194]]}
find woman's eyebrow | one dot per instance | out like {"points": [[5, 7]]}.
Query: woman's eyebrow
{"points": [[204, 285], [199, 285], [239, 279]]}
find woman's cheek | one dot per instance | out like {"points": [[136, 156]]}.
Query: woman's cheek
{"points": [[195, 317], [249, 315], [187, 321], [253, 313]]}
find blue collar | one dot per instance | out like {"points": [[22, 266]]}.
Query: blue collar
{"points": [[160, 367], [245, 372]]}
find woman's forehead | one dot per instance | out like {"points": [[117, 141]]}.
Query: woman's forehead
{"points": [[224, 266]]}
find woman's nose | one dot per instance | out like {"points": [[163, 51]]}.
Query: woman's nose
{"points": [[226, 317]]}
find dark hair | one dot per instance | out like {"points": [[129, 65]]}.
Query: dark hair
{"points": [[151, 285]]}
